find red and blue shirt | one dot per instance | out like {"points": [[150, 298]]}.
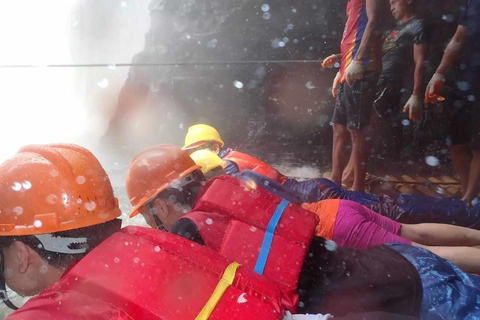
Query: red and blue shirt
{"points": [[357, 20]]}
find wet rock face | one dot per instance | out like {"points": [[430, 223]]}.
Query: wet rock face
{"points": [[213, 69]]}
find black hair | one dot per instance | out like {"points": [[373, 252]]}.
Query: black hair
{"points": [[94, 234]]}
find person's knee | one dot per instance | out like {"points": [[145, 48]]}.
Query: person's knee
{"points": [[340, 132], [358, 135]]}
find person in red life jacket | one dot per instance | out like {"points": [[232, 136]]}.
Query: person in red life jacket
{"points": [[396, 278], [202, 136], [60, 239], [353, 225]]}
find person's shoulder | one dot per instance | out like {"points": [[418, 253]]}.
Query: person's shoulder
{"points": [[417, 23]]}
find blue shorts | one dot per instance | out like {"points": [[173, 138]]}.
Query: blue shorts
{"points": [[448, 292]]}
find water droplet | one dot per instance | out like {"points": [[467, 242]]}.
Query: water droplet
{"points": [[405, 122], [103, 83], [54, 173], [294, 10], [17, 186], [43, 269], [432, 161], [79, 201], [126, 243], [253, 229], [37, 224], [52, 198], [330, 245], [181, 126], [90, 206], [157, 249], [209, 221], [241, 298], [18, 210], [136, 260], [112, 66], [116, 260], [265, 7], [81, 179], [290, 26], [26, 185], [237, 84], [266, 15], [310, 85], [212, 43]]}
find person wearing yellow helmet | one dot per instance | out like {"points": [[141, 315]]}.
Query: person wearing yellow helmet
{"points": [[203, 136], [212, 165]]}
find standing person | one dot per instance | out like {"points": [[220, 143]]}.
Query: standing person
{"points": [[403, 59], [465, 124], [354, 87]]}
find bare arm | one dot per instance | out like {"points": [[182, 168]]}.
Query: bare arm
{"points": [[419, 55], [371, 33], [453, 51]]}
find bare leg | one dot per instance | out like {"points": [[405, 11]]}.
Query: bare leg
{"points": [[435, 234], [473, 178], [461, 159], [466, 258], [339, 154], [359, 158], [348, 174]]}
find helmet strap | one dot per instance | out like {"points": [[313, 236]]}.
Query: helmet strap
{"points": [[3, 286]]}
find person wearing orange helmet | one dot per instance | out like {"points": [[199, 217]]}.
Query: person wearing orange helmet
{"points": [[165, 195], [60, 239]]}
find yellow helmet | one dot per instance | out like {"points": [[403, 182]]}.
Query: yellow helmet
{"points": [[207, 160], [199, 134]]}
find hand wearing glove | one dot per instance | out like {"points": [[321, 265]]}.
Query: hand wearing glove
{"points": [[336, 82], [330, 61], [414, 107], [354, 71], [433, 94], [289, 316]]}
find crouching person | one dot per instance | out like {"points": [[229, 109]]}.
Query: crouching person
{"points": [[60, 239]]}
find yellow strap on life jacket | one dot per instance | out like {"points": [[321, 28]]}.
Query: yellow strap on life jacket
{"points": [[225, 282]]}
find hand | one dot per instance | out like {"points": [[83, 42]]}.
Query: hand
{"points": [[336, 82], [354, 72], [433, 94], [330, 61], [414, 107]]}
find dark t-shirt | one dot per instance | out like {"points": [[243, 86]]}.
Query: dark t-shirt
{"points": [[347, 280], [397, 49], [470, 18]]}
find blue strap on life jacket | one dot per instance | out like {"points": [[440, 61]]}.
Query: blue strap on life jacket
{"points": [[268, 238]]}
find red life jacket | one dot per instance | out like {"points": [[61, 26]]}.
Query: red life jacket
{"points": [[141, 274], [244, 235], [247, 162]]}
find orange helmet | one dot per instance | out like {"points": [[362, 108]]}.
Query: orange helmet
{"points": [[153, 170], [53, 188]]}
